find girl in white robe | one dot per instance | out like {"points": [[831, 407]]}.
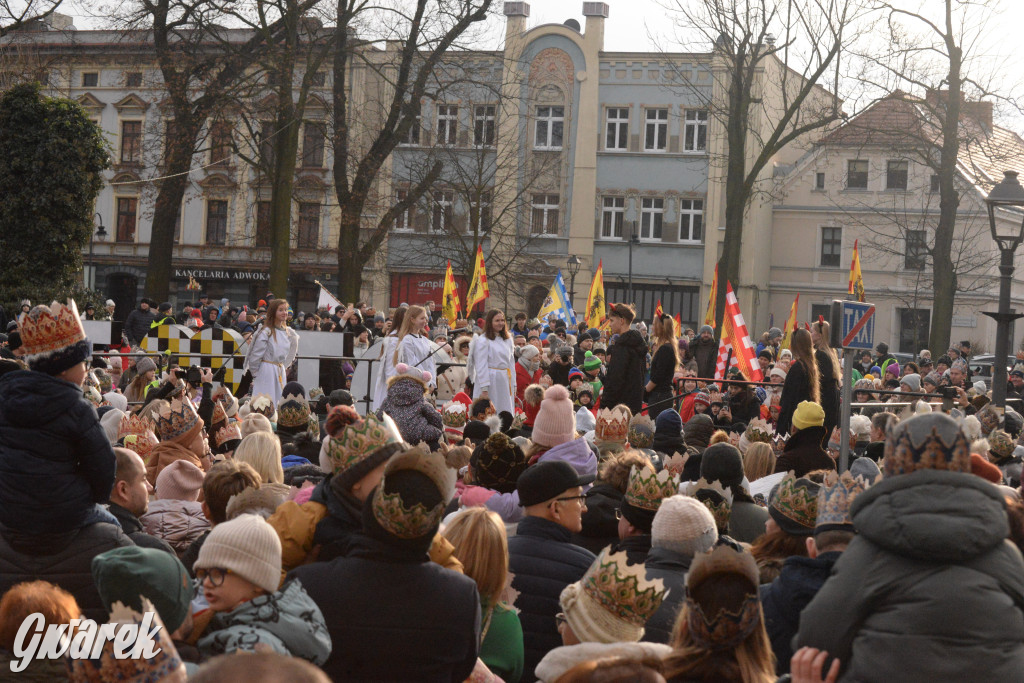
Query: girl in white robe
{"points": [[273, 350], [493, 361]]}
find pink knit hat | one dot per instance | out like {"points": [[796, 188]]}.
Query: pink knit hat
{"points": [[556, 422], [181, 480]]}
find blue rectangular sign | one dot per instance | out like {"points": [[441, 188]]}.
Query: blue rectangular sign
{"points": [[858, 325]]}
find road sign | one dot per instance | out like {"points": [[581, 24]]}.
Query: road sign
{"points": [[858, 325]]}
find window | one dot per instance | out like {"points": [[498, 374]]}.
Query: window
{"points": [[483, 126], [442, 210], [857, 174], [544, 220], [43, 77], [914, 324], [312, 146], [934, 185], [652, 213], [819, 181], [618, 129], [318, 79], [90, 79], [309, 225], [126, 213], [402, 220], [695, 137], [822, 310], [220, 144], [216, 221], [917, 250], [683, 300], [133, 79], [480, 205], [447, 124], [656, 130], [550, 125], [831, 246], [263, 226], [896, 175], [613, 215], [131, 142], [691, 220], [412, 136]]}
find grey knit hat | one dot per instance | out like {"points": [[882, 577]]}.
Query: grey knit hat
{"points": [[706, 328], [683, 525]]}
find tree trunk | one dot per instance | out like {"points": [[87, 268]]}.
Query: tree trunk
{"points": [[286, 146], [350, 264], [165, 214]]}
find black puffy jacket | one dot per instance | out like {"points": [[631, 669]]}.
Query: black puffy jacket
{"points": [[600, 525], [627, 370], [55, 460], [138, 324], [671, 568], [543, 562]]}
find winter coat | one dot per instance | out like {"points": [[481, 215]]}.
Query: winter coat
{"points": [[663, 368], [671, 568], [394, 616], [627, 367], [1011, 469], [543, 561], [287, 622], [137, 325], [63, 559], [131, 525], [502, 646], [706, 355], [828, 388], [746, 521], [559, 373], [525, 378], [744, 406], [179, 522], [784, 598], [803, 453], [576, 452], [166, 452], [930, 587], [55, 460], [600, 526], [560, 660], [668, 444], [416, 419], [795, 389]]}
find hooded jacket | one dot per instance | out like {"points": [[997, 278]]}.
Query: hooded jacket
{"points": [[929, 587], [136, 326], [131, 525], [706, 355], [627, 367], [803, 453], [55, 460], [179, 522], [287, 622], [671, 567], [416, 419], [600, 525]]}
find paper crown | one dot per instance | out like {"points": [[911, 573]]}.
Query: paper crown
{"points": [[1000, 443], [675, 463], [92, 396], [264, 405], [142, 433], [176, 419], [359, 439], [724, 629], [641, 431], [647, 488], [293, 412], [794, 504], [315, 393], [759, 431], [926, 442], [834, 500], [417, 520], [454, 417], [715, 498], [229, 432], [220, 416], [623, 589], [53, 338], [612, 424]]}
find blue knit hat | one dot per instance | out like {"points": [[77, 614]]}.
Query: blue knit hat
{"points": [[668, 422]]}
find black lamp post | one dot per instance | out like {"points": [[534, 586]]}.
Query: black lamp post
{"points": [[1008, 194], [99, 236], [573, 264]]}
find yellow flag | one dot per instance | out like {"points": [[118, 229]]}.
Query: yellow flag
{"points": [[709, 317], [450, 306], [856, 287], [478, 290], [595, 300], [790, 327]]}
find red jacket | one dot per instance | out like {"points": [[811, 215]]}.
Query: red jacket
{"points": [[524, 379]]}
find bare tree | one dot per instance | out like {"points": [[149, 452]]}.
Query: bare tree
{"points": [[18, 14]]}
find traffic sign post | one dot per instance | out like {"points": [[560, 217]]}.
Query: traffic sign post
{"points": [[853, 330]]}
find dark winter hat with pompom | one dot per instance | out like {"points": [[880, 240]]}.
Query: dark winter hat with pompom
{"points": [[497, 463]]}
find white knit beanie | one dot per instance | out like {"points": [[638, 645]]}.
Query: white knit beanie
{"points": [[111, 422], [246, 545], [555, 422], [683, 525]]}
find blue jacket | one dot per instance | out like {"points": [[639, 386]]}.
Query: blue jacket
{"points": [[543, 561], [55, 460]]}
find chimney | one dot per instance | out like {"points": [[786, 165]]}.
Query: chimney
{"points": [[596, 13], [517, 12], [979, 111]]}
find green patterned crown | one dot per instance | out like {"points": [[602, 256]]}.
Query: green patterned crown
{"points": [[796, 500], [759, 431], [926, 442], [359, 440], [623, 589], [293, 411], [647, 488], [176, 419], [715, 498], [454, 415], [641, 431], [264, 405], [834, 500], [417, 520]]}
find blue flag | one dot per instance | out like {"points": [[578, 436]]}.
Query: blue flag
{"points": [[558, 302]]}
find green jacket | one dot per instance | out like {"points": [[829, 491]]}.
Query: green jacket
{"points": [[502, 649]]}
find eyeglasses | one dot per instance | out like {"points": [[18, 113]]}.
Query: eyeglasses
{"points": [[560, 619], [215, 574], [582, 498]]}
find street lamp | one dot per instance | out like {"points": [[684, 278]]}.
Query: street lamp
{"points": [[1008, 194], [573, 264], [99, 236], [633, 239]]}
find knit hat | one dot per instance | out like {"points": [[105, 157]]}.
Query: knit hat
{"points": [[246, 545], [585, 420], [130, 574], [866, 469], [808, 414], [641, 431], [668, 422], [706, 328], [684, 525], [590, 361], [576, 373], [986, 470], [794, 505], [722, 630], [178, 421], [834, 500], [702, 398], [181, 480], [407, 521], [359, 446], [698, 430], [555, 422], [913, 381], [777, 372], [1000, 444], [144, 365], [110, 422], [497, 463], [613, 600], [53, 338], [933, 441], [722, 462], [477, 431]]}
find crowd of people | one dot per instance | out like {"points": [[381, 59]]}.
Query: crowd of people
{"points": [[521, 500]]}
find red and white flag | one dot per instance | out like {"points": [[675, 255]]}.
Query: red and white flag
{"points": [[743, 348], [725, 354]]}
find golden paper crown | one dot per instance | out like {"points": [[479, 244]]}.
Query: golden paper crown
{"points": [[675, 463], [834, 500], [417, 520], [219, 414], [293, 411], [612, 424], [623, 589], [137, 434], [360, 439], [229, 432], [641, 431], [264, 405], [647, 488], [759, 431], [454, 415], [48, 329], [176, 420], [796, 500], [715, 498]]}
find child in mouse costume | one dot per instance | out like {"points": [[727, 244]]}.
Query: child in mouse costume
{"points": [[407, 405]]}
